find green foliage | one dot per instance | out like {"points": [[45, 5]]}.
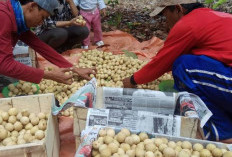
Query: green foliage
{"points": [[220, 2], [130, 25], [209, 1], [112, 3], [116, 19], [215, 3], [130, 54]]}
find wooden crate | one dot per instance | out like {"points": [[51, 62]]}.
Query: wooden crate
{"points": [[175, 139], [188, 125], [34, 104]]}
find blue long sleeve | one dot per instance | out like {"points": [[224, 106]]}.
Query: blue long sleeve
{"points": [[90, 4]]}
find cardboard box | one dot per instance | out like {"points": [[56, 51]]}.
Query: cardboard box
{"points": [[34, 104]]}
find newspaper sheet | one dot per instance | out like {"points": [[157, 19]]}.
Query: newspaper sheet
{"points": [[139, 99], [84, 97], [200, 108], [135, 121], [156, 102], [87, 137], [21, 55]]}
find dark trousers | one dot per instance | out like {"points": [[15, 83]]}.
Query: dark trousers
{"points": [[211, 80], [62, 39]]}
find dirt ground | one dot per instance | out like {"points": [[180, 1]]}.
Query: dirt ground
{"points": [[134, 18], [137, 23]]}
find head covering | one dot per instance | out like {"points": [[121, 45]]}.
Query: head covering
{"points": [[48, 5], [161, 4]]}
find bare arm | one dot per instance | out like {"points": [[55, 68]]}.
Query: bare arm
{"points": [[72, 22], [63, 23]]}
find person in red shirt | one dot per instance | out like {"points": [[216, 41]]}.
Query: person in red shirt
{"points": [[17, 16], [198, 50]]}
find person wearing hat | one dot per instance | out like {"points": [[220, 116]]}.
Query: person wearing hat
{"points": [[198, 50], [17, 17]]}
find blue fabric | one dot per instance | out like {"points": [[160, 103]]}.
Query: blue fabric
{"points": [[90, 4], [211, 80], [18, 11]]}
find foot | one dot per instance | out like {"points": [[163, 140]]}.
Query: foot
{"points": [[85, 47], [100, 43]]}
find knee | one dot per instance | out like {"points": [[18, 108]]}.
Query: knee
{"points": [[60, 35], [85, 32]]}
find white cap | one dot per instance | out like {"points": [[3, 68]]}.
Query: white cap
{"points": [[161, 4]]}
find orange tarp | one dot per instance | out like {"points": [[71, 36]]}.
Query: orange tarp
{"points": [[116, 42]]}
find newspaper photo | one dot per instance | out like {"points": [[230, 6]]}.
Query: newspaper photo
{"points": [[162, 124], [87, 137], [139, 100], [135, 121], [84, 97], [190, 105]]}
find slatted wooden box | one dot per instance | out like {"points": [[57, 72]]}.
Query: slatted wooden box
{"points": [[35, 104], [188, 127]]}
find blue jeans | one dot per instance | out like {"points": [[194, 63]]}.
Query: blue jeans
{"points": [[211, 80]]}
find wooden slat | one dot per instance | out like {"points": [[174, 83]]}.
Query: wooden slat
{"points": [[188, 127], [5, 104], [77, 131], [45, 102], [31, 103], [56, 143], [82, 124], [79, 115], [52, 135], [82, 113], [22, 150], [49, 139], [78, 141]]}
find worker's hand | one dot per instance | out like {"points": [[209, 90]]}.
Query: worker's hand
{"points": [[85, 72], [103, 12], [127, 83], [58, 75], [76, 22], [73, 22]]}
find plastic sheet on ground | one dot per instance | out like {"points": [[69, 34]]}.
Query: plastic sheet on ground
{"points": [[67, 139], [116, 42]]}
